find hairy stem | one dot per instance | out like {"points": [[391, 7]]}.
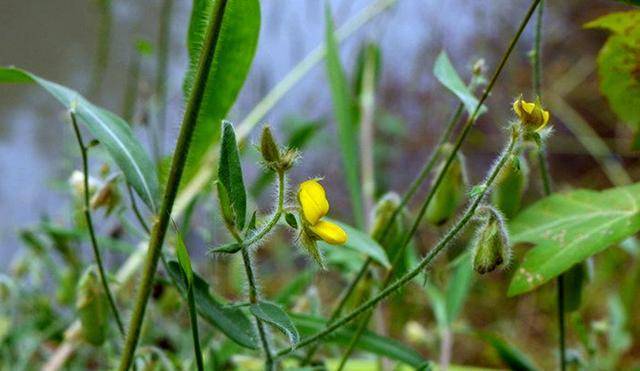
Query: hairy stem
{"points": [[175, 174], [193, 318], [407, 277], [87, 215]]}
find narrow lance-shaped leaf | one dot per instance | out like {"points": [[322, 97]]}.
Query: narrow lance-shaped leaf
{"points": [[344, 108], [112, 131], [277, 317], [230, 174], [447, 75], [231, 321], [232, 59], [568, 228], [183, 258]]}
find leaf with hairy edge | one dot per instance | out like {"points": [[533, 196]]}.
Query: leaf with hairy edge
{"points": [[112, 131], [231, 321], [360, 242], [618, 66], [345, 112], [447, 75], [232, 60], [230, 174], [369, 342], [277, 317], [570, 227]]}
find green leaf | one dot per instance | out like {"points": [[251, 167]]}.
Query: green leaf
{"points": [[360, 242], [574, 282], [291, 220], [447, 75], [274, 315], [183, 258], [232, 59], [369, 342], [230, 174], [568, 228], [618, 66], [344, 108], [231, 321], [459, 286], [112, 131], [510, 355]]}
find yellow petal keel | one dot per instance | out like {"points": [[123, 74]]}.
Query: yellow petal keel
{"points": [[313, 201], [329, 232]]}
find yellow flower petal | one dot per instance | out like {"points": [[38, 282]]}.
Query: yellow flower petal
{"points": [[329, 232], [313, 201], [528, 107]]}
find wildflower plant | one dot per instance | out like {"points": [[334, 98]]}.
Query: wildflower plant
{"points": [[253, 325]]}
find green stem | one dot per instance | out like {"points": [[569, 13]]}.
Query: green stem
{"points": [[102, 53], [193, 317], [131, 90], [87, 215], [546, 178], [254, 296], [175, 174], [407, 277]]}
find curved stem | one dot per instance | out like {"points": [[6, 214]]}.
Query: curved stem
{"points": [[175, 175], [276, 215], [136, 210], [87, 215], [390, 289]]}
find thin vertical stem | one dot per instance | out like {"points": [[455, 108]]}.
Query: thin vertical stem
{"points": [[175, 174], [103, 46], [545, 176], [131, 90], [87, 215]]}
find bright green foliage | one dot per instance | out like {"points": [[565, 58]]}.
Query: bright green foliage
{"points": [[447, 75], [619, 66], [509, 187], [360, 242], [112, 132], [231, 321], [345, 112], [235, 49], [568, 228], [370, 342], [230, 175], [273, 314], [459, 286]]}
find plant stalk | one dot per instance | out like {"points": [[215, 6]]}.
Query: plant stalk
{"points": [[193, 318], [175, 174], [87, 215]]}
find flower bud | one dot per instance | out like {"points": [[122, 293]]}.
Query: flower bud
{"points": [[76, 181], [532, 115], [384, 210], [510, 184], [491, 246], [450, 193], [92, 307], [106, 196], [269, 148]]}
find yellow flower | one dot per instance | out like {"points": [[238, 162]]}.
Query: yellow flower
{"points": [[532, 115], [314, 206]]}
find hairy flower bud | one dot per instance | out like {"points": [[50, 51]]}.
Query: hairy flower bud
{"points": [[268, 147], [491, 247], [92, 307], [532, 115], [450, 193], [510, 185]]}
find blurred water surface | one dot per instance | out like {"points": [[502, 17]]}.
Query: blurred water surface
{"points": [[56, 39]]}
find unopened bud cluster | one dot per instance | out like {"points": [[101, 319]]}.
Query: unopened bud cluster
{"points": [[275, 158]]}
